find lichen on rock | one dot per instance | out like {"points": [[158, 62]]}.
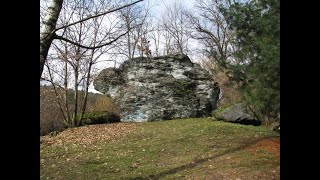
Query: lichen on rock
{"points": [[159, 88]]}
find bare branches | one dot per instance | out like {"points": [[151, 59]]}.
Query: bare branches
{"points": [[48, 28], [133, 16], [77, 48], [56, 94], [212, 30], [90, 47], [175, 29], [101, 14]]}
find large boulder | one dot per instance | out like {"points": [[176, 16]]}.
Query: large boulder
{"points": [[237, 113], [160, 88], [109, 81]]}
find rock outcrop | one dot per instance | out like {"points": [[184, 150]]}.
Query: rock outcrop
{"points": [[160, 88], [237, 113]]}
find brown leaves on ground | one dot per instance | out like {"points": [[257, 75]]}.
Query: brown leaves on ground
{"points": [[87, 135], [270, 145]]}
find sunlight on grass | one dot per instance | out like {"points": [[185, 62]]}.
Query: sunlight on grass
{"points": [[165, 149]]}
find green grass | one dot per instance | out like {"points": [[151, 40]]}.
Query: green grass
{"points": [[176, 149]]}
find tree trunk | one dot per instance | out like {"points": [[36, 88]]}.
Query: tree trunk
{"points": [[86, 90], [66, 88], [127, 21], [47, 30], [57, 96], [75, 112]]}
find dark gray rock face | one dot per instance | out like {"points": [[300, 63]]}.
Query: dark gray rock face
{"points": [[160, 88], [237, 113]]}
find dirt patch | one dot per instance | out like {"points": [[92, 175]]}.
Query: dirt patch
{"points": [[87, 135], [259, 161], [270, 145]]}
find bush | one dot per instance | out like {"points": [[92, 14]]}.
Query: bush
{"points": [[112, 117], [100, 118]]}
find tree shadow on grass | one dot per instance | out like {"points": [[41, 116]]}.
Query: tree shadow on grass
{"points": [[197, 162]]}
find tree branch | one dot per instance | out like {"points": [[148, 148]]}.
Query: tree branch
{"points": [[88, 47], [101, 14], [50, 81]]}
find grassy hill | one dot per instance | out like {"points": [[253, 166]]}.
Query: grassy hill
{"points": [[177, 149]]}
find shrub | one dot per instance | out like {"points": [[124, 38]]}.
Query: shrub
{"points": [[112, 117], [100, 118]]}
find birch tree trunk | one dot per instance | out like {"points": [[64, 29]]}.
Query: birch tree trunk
{"points": [[47, 30]]}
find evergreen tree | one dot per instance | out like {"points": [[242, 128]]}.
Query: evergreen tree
{"points": [[257, 25]]}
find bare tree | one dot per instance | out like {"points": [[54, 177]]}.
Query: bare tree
{"points": [[49, 31], [77, 59], [133, 16], [175, 29], [155, 35], [213, 31]]}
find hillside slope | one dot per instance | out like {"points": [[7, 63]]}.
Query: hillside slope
{"points": [[177, 149]]}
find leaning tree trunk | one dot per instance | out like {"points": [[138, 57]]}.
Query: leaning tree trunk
{"points": [[47, 30]]}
